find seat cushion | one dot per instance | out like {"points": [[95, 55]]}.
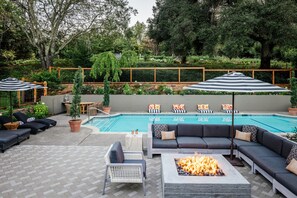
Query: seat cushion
{"points": [[288, 180], [142, 162], [216, 130], [217, 142], [6, 137], [116, 154], [240, 143], [253, 151], [158, 143], [273, 142], [272, 165], [21, 133], [189, 130], [190, 142]]}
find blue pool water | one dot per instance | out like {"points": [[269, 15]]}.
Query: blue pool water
{"points": [[128, 122]]}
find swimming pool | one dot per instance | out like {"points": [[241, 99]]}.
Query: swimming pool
{"points": [[129, 122]]}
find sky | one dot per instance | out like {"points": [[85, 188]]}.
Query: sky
{"points": [[144, 8]]}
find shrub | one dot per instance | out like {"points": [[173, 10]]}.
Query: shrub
{"points": [[40, 110], [53, 82], [87, 89], [127, 90]]}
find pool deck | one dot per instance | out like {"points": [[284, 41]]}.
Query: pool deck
{"points": [[58, 163]]}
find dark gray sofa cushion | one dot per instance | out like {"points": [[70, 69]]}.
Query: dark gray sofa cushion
{"points": [[260, 133], [142, 162], [217, 142], [288, 180], [189, 130], [273, 142], [271, 165], [253, 151], [287, 146], [216, 130], [173, 127], [116, 153], [240, 143], [158, 143], [190, 142]]}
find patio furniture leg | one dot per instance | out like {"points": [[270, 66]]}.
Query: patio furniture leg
{"points": [[105, 180], [143, 186]]}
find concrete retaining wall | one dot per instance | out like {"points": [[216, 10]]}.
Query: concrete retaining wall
{"points": [[139, 103]]}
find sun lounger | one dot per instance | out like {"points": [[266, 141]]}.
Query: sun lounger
{"points": [[203, 108], [227, 108], [26, 119], [154, 108], [179, 108], [34, 126]]}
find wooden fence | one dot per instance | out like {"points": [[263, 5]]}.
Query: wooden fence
{"points": [[203, 72]]}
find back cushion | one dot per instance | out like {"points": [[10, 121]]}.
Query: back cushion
{"points": [[173, 127], [272, 142], [287, 146], [216, 130], [158, 128], [260, 133], [194, 130], [4, 119], [116, 154]]}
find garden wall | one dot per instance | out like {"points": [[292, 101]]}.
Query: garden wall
{"points": [[139, 103]]}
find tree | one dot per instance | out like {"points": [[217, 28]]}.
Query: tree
{"points": [[271, 23], [51, 25]]}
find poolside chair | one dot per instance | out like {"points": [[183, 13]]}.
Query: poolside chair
{"points": [[203, 108], [227, 108], [154, 108], [26, 119], [22, 134], [124, 167], [179, 108], [93, 109], [34, 126]]}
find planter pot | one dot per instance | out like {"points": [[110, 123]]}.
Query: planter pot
{"points": [[106, 109], [11, 125], [292, 111], [75, 125]]}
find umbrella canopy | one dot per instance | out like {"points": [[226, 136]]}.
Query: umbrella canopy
{"points": [[235, 82], [13, 84]]}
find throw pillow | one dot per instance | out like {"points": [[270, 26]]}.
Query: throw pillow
{"points": [[168, 135], [292, 154], [292, 167], [175, 106], [200, 106], [243, 136], [158, 128], [116, 154], [151, 106], [182, 107], [30, 119], [251, 129], [205, 107], [157, 106]]}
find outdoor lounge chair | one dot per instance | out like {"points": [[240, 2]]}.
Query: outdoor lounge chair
{"points": [[203, 108], [179, 108], [26, 119], [124, 167], [7, 140], [34, 126], [22, 134], [154, 108], [227, 108]]}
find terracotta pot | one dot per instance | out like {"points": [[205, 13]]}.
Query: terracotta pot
{"points": [[75, 125], [106, 109], [292, 111], [12, 125]]}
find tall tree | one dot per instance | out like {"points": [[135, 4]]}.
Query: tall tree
{"points": [[51, 25], [271, 23]]}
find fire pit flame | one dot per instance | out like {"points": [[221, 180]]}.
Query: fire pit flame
{"points": [[198, 165]]}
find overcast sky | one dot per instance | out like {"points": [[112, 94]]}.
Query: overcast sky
{"points": [[144, 8]]}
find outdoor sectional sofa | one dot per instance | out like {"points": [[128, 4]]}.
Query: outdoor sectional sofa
{"points": [[266, 156], [9, 138]]}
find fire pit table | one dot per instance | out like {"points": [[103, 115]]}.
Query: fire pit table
{"points": [[229, 184]]}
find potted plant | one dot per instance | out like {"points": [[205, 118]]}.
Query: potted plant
{"points": [[75, 122], [293, 82], [107, 65]]}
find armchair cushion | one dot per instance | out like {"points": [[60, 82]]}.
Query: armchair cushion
{"points": [[116, 153], [142, 162]]}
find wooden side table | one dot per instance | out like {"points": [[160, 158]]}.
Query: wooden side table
{"points": [[133, 142]]}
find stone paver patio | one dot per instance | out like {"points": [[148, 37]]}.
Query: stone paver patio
{"points": [[58, 163]]}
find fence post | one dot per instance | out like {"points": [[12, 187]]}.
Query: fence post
{"points": [[178, 74], [83, 73], [35, 93], [155, 75], [203, 74], [50, 69], [59, 72], [273, 77], [131, 75], [19, 98], [253, 73], [45, 88]]}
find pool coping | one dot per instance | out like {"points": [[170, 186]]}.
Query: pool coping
{"points": [[96, 130]]}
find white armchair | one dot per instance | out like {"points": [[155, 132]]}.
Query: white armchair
{"points": [[124, 167]]}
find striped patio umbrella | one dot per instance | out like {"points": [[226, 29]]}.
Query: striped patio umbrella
{"points": [[13, 84], [235, 82]]}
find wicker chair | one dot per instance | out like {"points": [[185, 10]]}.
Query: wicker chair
{"points": [[124, 167], [93, 109]]}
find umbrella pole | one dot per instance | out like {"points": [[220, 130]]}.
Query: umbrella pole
{"points": [[10, 98], [232, 127]]}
